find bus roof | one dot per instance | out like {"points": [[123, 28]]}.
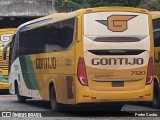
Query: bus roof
{"points": [[155, 14], [55, 17]]}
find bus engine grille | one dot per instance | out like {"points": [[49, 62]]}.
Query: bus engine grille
{"points": [[69, 81]]}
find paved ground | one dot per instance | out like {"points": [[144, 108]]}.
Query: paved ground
{"points": [[9, 103]]}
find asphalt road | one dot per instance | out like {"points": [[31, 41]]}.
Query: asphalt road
{"points": [[10, 103]]}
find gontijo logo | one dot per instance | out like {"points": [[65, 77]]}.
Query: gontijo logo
{"points": [[117, 23]]}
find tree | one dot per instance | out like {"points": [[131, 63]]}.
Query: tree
{"points": [[96, 3], [77, 4], [150, 4]]}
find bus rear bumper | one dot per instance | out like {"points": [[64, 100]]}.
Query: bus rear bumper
{"points": [[92, 96]]}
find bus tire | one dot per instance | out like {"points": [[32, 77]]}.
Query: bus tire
{"points": [[156, 96], [53, 101], [21, 99]]}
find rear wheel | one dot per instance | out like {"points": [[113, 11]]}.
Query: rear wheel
{"points": [[53, 101], [21, 99], [156, 96]]}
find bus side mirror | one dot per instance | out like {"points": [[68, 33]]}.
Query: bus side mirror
{"points": [[4, 56]]}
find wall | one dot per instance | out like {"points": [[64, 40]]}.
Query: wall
{"points": [[26, 7]]}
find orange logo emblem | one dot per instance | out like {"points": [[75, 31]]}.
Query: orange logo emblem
{"points": [[117, 23]]}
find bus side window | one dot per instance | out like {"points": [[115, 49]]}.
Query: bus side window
{"points": [[30, 42], [12, 52], [59, 35], [52, 48], [51, 38], [157, 38], [14, 48], [156, 23]]}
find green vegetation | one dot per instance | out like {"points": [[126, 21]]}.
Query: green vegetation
{"points": [[77, 4], [150, 4]]}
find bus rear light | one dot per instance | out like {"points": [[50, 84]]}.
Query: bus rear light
{"points": [[81, 74], [150, 72], [148, 95], [89, 10], [143, 10], [140, 96]]}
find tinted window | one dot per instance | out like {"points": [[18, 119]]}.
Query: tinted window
{"points": [[156, 23], [50, 38], [157, 38], [12, 51]]}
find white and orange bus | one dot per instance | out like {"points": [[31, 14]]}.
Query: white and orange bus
{"points": [[94, 55]]}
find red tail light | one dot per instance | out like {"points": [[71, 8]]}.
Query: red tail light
{"points": [[82, 77], [143, 10], [89, 10], [150, 71]]}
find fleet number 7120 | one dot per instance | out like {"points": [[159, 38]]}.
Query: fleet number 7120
{"points": [[138, 73]]}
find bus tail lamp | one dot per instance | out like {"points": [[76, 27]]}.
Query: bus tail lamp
{"points": [[150, 72], [82, 77], [88, 10], [143, 10]]}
